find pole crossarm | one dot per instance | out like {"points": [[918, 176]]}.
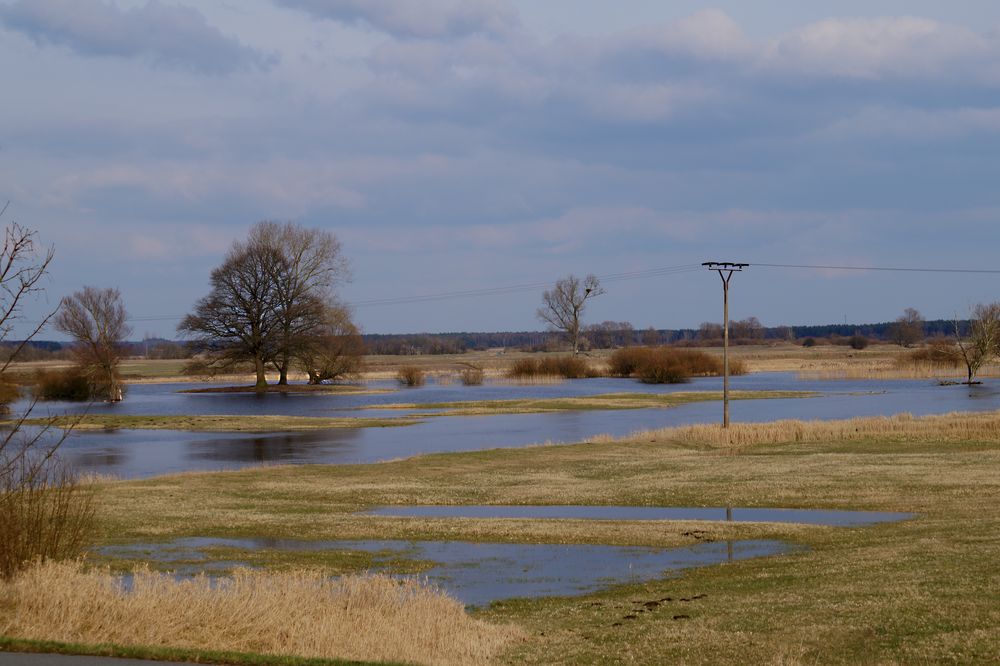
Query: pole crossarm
{"points": [[725, 270]]}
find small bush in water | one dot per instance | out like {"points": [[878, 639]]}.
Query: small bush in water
{"points": [[410, 375]]}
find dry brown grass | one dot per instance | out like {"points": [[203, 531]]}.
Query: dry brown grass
{"points": [[370, 617], [984, 426]]}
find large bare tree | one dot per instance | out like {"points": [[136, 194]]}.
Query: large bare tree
{"points": [[97, 321], [563, 305], [236, 321], [312, 265], [983, 341]]}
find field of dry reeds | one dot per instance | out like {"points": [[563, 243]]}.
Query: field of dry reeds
{"points": [[982, 426], [368, 617]]}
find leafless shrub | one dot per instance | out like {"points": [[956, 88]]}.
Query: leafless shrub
{"points": [[940, 352], [410, 375], [667, 365], [568, 367], [67, 384], [44, 512], [471, 376]]}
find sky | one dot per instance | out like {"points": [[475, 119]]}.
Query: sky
{"points": [[482, 144]]}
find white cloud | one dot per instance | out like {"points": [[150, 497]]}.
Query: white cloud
{"points": [[878, 48]]}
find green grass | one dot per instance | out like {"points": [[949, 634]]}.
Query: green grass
{"points": [[167, 654]]}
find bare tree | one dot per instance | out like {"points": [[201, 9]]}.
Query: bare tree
{"points": [[983, 342], [44, 511], [312, 264], [564, 304], [235, 322], [908, 329], [21, 269], [334, 350], [651, 337], [97, 321]]}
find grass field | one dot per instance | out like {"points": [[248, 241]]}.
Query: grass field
{"points": [[604, 401], [214, 423], [878, 361], [924, 590]]}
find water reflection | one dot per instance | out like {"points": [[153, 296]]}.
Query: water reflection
{"points": [[137, 453]]}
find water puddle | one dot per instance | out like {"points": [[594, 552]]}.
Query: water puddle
{"points": [[480, 573], [740, 515]]}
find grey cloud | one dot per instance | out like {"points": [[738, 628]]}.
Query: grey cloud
{"points": [[166, 35], [423, 19]]}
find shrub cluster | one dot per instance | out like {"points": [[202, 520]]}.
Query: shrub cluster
{"points": [[569, 367], [472, 376], [939, 351], [857, 342], [68, 384], [667, 365], [410, 375]]}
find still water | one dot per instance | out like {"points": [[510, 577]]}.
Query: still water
{"points": [[143, 453], [479, 573]]}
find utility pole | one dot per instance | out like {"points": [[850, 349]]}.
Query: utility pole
{"points": [[725, 270]]}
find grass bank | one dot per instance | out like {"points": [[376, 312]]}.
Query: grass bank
{"points": [[214, 423], [923, 590], [605, 401]]}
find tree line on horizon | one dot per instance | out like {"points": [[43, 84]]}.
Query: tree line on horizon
{"points": [[273, 306]]}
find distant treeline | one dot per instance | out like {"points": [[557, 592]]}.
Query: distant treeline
{"points": [[598, 336], [602, 336]]}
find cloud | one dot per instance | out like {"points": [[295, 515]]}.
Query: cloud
{"points": [[417, 19], [172, 36], [878, 48]]}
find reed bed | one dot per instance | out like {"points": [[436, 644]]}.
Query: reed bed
{"points": [[301, 613], [537, 380], [899, 371], [983, 426]]}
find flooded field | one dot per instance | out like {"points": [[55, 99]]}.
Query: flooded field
{"points": [[480, 573], [142, 453]]}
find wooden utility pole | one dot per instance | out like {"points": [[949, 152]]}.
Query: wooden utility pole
{"points": [[725, 270]]}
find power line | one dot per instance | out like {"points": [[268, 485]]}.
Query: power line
{"points": [[493, 291], [882, 268], [663, 271]]}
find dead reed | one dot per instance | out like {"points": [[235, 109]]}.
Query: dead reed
{"points": [[471, 376], [45, 512], [302, 613], [410, 375], [982, 426]]}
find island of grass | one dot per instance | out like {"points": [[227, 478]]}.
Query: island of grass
{"points": [[256, 423], [252, 423], [344, 389], [604, 401]]}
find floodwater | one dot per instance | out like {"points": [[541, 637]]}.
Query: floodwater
{"points": [[143, 453], [480, 573], [737, 514]]}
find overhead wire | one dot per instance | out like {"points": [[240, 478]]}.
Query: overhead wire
{"points": [[662, 271]]}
